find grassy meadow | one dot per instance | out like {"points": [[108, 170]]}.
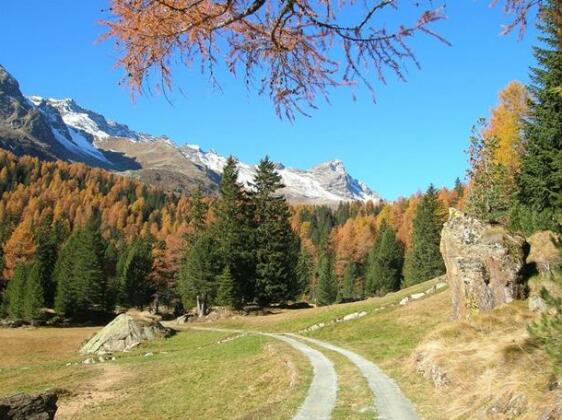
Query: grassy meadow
{"points": [[209, 374]]}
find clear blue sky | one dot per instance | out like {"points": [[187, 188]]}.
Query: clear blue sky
{"points": [[414, 135]]}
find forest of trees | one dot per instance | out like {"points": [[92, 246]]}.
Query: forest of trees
{"points": [[81, 240]]}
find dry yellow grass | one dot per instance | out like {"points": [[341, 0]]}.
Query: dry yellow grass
{"points": [[486, 368]]}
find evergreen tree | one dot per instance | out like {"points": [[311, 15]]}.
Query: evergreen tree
{"points": [[197, 210], [327, 287], [135, 286], [79, 271], [33, 299], [14, 299], [459, 189], [304, 271], [348, 289], [197, 282], [65, 297], [540, 181], [225, 293], [384, 270], [88, 276], [276, 244], [234, 230], [423, 260], [46, 253]]}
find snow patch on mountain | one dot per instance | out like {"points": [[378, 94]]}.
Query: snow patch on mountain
{"points": [[327, 182]]}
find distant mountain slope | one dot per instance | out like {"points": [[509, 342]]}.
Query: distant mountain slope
{"points": [[62, 129]]}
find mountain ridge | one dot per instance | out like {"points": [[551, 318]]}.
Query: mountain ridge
{"points": [[63, 129]]}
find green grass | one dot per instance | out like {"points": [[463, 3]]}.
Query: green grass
{"points": [[191, 375]]}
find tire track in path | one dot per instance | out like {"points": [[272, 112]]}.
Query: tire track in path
{"points": [[390, 402], [321, 396]]}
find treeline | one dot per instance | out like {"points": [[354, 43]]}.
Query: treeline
{"points": [[372, 250], [81, 240]]}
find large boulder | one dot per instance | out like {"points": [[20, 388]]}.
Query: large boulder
{"points": [[124, 333], [29, 407], [484, 264]]}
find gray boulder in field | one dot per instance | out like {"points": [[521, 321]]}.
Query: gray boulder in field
{"points": [[124, 333]]}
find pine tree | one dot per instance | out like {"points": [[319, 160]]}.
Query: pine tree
{"points": [[79, 272], [304, 271], [135, 286], [46, 254], [348, 289], [459, 190], [88, 276], [276, 244], [65, 297], [234, 230], [327, 287], [385, 263], [540, 181], [33, 299], [423, 260], [225, 293], [197, 210], [197, 282], [15, 293]]}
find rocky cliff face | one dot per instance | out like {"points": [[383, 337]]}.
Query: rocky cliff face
{"points": [[484, 264]]}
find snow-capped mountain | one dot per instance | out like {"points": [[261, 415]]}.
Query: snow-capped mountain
{"points": [[327, 182], [62, 129]]}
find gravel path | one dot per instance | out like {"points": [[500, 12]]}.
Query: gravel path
{"points": [[321, 397], [390, 402]]}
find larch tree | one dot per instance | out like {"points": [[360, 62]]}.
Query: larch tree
{"points": [[20, 248], [491, 188], [423, 260], [295, 50]]}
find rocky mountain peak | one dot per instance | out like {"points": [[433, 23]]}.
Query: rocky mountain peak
{"points": [[63, 129]]}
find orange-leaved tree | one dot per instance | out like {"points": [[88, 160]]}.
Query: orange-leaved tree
{"points": [[295, 50]]}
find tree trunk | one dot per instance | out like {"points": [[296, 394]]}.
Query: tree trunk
{"points": [[201, 307]]}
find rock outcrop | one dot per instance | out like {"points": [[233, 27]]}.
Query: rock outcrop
{"points": [[544, 252], [29, 407], [124, 333], [484, 264]]}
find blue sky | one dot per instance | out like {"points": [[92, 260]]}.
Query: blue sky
{"points": [[415, 134]]}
